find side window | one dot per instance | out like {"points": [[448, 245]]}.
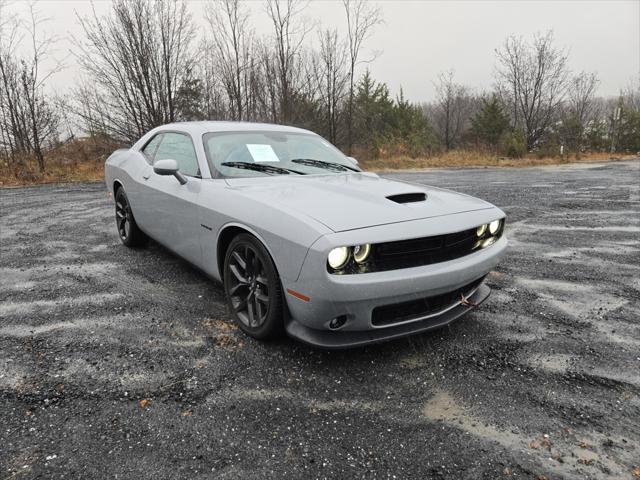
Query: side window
{"points": [[179, 147], [150, 148]]}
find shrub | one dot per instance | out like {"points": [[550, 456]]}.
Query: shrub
{"points": [[550, 148], [513, 144]]}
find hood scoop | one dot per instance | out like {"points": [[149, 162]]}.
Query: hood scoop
{"points": [[408, 197]]}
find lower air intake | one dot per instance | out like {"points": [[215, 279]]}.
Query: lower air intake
{"points": [[402, 312]]}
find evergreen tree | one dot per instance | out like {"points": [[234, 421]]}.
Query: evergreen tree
{"points": [[412, 130], [627, 131], [491, 122], [373, 113], [382, 124]]}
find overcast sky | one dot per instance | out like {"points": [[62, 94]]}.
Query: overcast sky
{"points": [[421, 38]]}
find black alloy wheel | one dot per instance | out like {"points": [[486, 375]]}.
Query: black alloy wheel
{"points": [[128, 230], [252, 285]]}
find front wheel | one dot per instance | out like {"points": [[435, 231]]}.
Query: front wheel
{"points": [[253, 289], [128, 230]]}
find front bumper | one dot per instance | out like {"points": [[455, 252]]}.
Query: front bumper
{"points": [[340, 339], [354, 298]]}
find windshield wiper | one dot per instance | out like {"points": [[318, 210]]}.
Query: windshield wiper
{"points": [[336, 167], [258, 167]]}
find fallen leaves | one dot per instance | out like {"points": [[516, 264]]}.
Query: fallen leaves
{"points": [[225, 336], [221, 325], [636, 472], [541, 443], [230, 342], [144, 403]]}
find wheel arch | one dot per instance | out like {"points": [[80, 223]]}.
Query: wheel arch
{"points": [[117, 185], [227, 234]]}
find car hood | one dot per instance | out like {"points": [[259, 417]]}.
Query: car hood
{"points": [[355, 200]]}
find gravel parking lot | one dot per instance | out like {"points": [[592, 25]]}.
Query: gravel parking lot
{"points": [[118, 363]]}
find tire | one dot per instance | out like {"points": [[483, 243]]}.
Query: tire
{"points": [[253, 289], [128, 230]]}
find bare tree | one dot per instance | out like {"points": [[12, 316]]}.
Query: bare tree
{"points": [[289, 35], [532, 77], [452, 110], [332, 79], [581, 96], [631, 95], [579, 111], [137, 59], [12, 133], [265, 91], [231, 42], [214, 99], [362, 16], [624, 120], [28, 121]]}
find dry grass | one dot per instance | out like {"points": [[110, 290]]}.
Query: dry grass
{"points": [[468, 158], [79, 160], [82, 160], [60, 173]]}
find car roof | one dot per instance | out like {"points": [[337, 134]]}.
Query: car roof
{"points": [[198, 128]]}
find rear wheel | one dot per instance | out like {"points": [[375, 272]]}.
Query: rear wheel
{"points": [[128, 230], [253, 289]]}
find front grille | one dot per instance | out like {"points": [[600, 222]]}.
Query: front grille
{"points": [[418, 252], [423, 251], [402, 312]]}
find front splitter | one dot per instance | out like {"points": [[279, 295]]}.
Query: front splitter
{"points": [[342, 339]]}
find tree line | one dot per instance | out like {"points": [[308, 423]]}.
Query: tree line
{"points": [[145, 63]]}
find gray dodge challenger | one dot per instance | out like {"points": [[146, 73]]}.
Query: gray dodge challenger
{"points": [[301, 238]]}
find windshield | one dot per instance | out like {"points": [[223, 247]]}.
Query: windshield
{"points": [[249, 154]]}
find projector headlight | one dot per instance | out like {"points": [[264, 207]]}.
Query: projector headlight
{"points": [[361, 252], [338, 257], [494, 227], [480, 231]]}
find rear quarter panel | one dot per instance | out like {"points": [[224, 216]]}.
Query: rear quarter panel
{"points": [[125, 166]]}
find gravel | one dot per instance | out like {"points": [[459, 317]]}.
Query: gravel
{"points": [[123, 363]]}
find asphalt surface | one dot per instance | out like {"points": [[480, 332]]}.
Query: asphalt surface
{"points": [[119, 363]]}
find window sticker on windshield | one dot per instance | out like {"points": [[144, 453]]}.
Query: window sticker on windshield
{"points": [[262, 153]]}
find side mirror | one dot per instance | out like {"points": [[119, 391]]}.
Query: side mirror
{"points": [[355, 162], [169, 167]]}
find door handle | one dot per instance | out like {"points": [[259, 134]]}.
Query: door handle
{"points": [[146, 176]]}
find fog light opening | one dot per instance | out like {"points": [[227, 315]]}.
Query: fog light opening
{"points": [[338, 322]]}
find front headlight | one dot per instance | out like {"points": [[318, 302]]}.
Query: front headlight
{"points": [[361, 252], [480, 231], [338, 257], [494, 227]]}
